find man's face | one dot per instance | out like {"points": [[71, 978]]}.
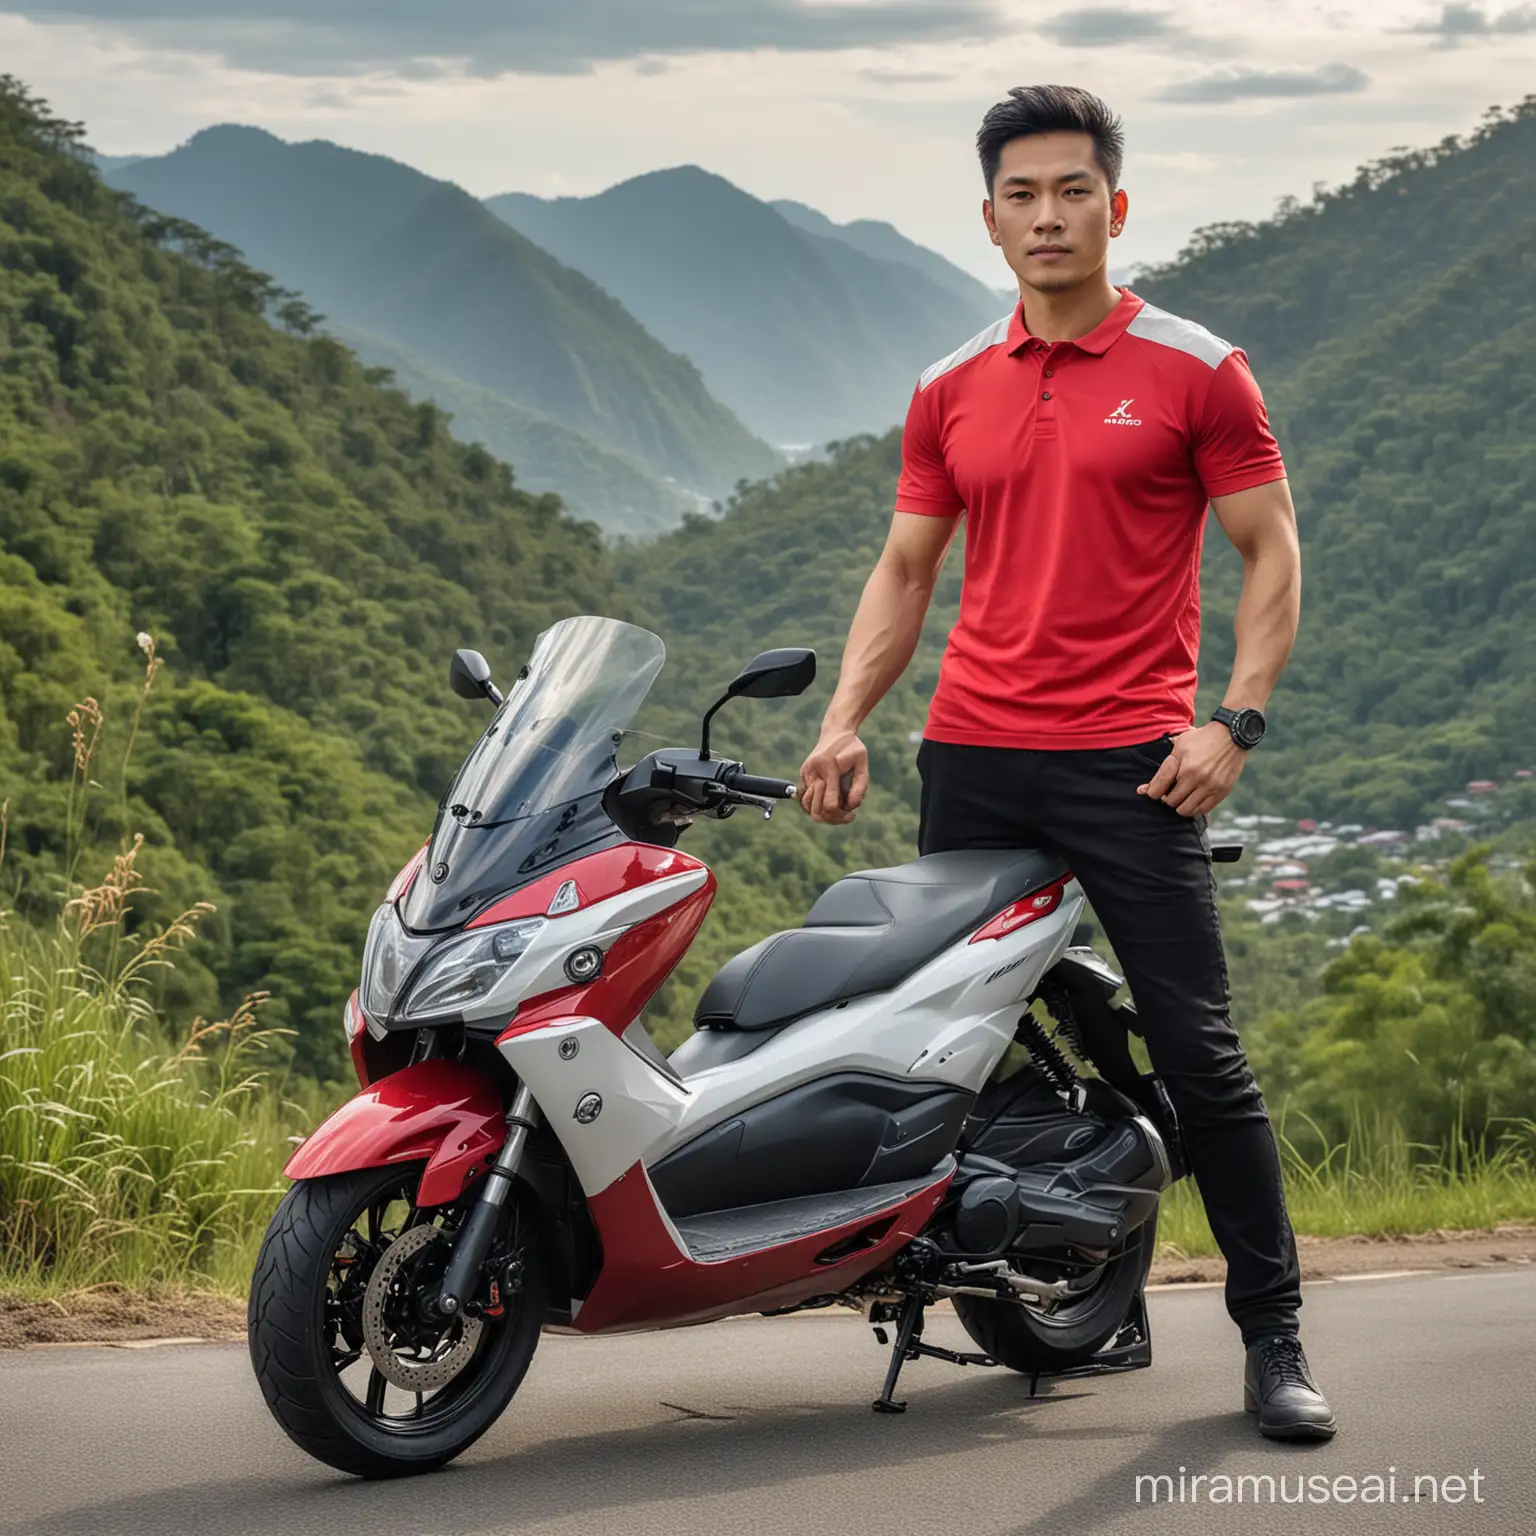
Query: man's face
{"points": [[1051, 210]]}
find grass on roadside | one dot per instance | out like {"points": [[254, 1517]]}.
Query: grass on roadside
{"points": [[126, 1157], [1378, 1184]]}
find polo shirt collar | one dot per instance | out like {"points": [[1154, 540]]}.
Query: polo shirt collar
{"points": [[1098, 341]]}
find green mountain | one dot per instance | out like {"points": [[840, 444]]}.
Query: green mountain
{"points": [[1401, 372], [303, 545], [884, 242], [1405, 419], [618, 492], [806, 336], [420, 265]]}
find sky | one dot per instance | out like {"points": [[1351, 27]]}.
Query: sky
{"points": [[861, 108]]}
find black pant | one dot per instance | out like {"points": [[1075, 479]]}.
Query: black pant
{"points": [[1147, 871]]}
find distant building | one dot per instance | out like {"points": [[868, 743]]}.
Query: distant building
{"points": [[1291, 887], [1525, 773], [1481, 786], [1306, 825]]}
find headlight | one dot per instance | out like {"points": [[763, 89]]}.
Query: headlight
{"points": [[388, 958], [469, 967]]}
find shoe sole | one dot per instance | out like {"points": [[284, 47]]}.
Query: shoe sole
{"points": [[1299, 1429]]}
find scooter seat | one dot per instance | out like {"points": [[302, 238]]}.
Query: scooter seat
{"points": [[868, 933]]}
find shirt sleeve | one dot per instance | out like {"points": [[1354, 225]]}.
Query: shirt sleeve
{"points": [[1234, 447], [925, 486]]}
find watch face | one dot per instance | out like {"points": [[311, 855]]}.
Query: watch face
{"points": [[1250, 726]]}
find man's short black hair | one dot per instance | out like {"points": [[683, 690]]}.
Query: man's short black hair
{"points": [[1032, 109]]}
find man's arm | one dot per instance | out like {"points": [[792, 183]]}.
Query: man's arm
{"points": [[881, 641], [1261, 523]]}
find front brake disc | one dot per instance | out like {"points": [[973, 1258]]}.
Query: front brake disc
{"points": [[449, 1353]]}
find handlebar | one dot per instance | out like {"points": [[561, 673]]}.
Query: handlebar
{"points": [[756, 784]]}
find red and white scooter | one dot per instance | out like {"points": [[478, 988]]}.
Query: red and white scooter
{"points": [[837, 1131]]}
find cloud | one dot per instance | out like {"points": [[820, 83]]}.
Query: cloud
{"points": [[1457, 23], [493, 37], [906, 76], [1253, 84], [1106, 26]]}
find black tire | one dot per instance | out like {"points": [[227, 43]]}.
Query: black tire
{"points": [[292, 1344], [1026, 1339]]}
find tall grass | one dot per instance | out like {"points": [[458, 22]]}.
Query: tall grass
{"points": [[1377, 1183], [125, 1155]]}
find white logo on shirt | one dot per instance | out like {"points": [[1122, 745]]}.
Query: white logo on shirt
{"points": [[1121, 416]]}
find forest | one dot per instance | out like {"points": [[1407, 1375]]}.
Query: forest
{"points": [[234, 562]]}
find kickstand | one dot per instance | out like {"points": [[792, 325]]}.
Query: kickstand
{"points": [[909, 1346]]}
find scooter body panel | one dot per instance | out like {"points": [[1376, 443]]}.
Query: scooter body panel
{"points": [[617, 1112], [948, 1024], [440, 1111], [648, 1279]]}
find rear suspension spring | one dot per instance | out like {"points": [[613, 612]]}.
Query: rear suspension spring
{"points": [[1058, 1000], [1047, 1054]]}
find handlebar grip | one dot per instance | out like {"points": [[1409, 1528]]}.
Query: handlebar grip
{"points": [[756, 784]]}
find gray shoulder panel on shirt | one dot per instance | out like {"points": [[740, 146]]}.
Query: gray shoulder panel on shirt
{"points": [[1154, 324], [993, 336]]}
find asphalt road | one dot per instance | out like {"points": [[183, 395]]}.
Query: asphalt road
{"points": [[760, 1426]]}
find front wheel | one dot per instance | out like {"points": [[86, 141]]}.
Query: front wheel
{"points": [[354, 1363], [1068, 1332]]}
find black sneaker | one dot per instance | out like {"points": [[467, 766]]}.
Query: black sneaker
{"points": [[1279, 1388]]}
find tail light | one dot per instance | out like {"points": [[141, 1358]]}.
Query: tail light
{"points": [[1017, 914]]}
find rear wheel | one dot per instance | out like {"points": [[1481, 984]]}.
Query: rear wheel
{"points": [[354, 1363], [1067, 1332]]}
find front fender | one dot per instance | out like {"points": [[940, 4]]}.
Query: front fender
{"points": [[439, 1111]]}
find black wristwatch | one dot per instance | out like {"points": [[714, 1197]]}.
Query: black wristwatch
{"points": [[1247, 725]]}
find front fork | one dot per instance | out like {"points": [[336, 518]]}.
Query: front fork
{"points": [[472, 1244]]}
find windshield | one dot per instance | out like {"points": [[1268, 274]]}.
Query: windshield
{"points": [[528, 793]]}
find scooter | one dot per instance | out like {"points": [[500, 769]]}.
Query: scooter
{"points": [[871, 1112]]}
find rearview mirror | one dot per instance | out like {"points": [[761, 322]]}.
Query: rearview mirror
{"points": [[778, 674], [469, 675]]}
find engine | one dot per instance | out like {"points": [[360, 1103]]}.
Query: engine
{"points": [[1086, 1203]]}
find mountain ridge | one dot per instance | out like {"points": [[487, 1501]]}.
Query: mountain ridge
{"points": [[420, 263], [883, 241], [805, 336]]}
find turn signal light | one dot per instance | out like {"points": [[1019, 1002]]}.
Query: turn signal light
{"points": [[352, 1019]]}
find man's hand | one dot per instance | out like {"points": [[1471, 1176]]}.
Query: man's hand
{"points": [[1200, 771], [834, 777]]}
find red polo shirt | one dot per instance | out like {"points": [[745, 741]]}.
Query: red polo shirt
{"points": [[1083, 469]]}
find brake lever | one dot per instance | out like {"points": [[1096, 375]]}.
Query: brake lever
{"points": [[724, 801]]}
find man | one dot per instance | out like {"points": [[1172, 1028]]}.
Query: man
{"points": [[1082, 438]]}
